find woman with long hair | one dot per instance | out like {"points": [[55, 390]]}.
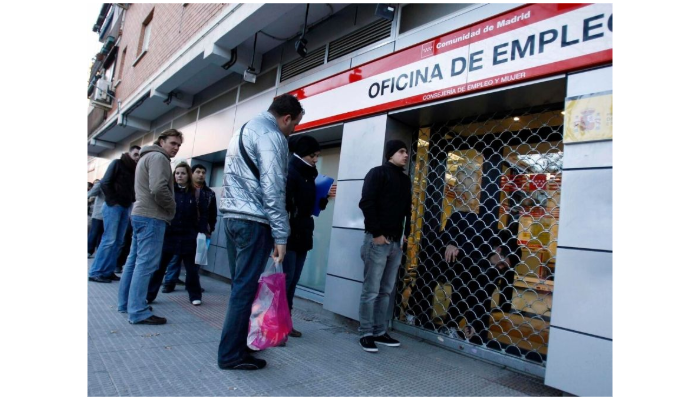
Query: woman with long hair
{"points": [[181, 236]]}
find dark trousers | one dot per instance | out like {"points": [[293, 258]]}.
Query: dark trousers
{"points": [[97, 227], [292, 265], [472, 290], [127, 246], [194, 289], [249, 245]]}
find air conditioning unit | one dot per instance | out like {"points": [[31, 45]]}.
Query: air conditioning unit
{"points": [[102, 94]]}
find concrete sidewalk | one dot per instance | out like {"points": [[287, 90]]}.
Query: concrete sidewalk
{"points": [[179, 358]]}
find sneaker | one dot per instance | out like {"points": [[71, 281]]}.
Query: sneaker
{"points": [[168, 288], [248, 363], [410, 319], [114, 277], [152, 320], [295, 333], [387, 340], [180, 282], [367, 344], [196, 302], [99, 279]]}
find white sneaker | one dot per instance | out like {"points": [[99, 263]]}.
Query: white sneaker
{"points": [[196, 302], [410, 319]]}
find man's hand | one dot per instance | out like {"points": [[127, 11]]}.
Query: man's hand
{"points": [[380, 240], [279, 253], [451, 253]]}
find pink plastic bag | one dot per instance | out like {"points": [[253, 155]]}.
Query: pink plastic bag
{"points": [[270, 321]]}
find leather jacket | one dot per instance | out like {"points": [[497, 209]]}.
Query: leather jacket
{"points": [[243, 195]]}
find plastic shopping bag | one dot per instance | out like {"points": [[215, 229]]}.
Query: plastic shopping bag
{"points": [[270, 321], [200, 257]]}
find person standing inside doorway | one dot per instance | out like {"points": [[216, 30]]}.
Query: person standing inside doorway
{"points": [[154, 209], [255, 217], [118, 188], [386, 205]]}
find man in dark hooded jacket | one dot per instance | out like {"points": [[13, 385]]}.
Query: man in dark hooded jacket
{"points": [[118, 188]]}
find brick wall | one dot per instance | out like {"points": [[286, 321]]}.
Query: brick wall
{"points": [[172, 27]]}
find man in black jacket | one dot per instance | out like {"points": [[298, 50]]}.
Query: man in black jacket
{"points": [[386, 205], [203, 194], [118, 188]]}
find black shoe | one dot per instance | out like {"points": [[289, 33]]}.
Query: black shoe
{"points": [[249, 363], [387, 340], [295, 333], [114, 277], [152, 320], [167, 288], [367, 344], [99, 279], [180, 282]]}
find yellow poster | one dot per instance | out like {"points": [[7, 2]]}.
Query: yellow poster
{"points": [[588, 118]]}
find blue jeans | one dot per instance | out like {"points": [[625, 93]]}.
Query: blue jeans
{"points": [[172, 273], [116, 219], [381, 266], [97, 227], [143, 260], [293, 264], [249, 245]]}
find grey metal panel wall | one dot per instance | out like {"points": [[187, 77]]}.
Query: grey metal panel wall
{"points": [[361, 149], [579, 359], [346, 261]]}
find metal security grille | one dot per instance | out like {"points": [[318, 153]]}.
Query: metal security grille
{"points": [[481, 257]]}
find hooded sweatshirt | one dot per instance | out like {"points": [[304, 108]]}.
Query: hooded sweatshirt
{"points": [[154, 185], [118, 182]]}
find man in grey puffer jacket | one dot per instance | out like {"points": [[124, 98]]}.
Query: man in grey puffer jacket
{"points": [[255, 217], [154, 208]]}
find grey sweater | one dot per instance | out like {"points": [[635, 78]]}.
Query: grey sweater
{"points": [[154, 185], [96, 192]]}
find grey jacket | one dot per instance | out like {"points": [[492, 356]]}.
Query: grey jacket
{"points": [[154, 185], [243, 196], [96, 192]]}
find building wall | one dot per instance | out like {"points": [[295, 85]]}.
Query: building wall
{"points": [[581, 336], [173, 26]]}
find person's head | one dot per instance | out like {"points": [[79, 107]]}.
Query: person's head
{"points": [[183, 175], [396, 152], [305, 147], [135, 152], [90, 185], [466, 181], [170, 141], [199, 173], [288, 112]]}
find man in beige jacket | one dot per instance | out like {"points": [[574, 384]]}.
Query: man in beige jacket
{"points": [[154, 208]]}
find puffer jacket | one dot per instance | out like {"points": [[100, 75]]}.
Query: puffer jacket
{"points": [[243, 195]]}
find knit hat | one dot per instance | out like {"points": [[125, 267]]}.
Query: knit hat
{"points": [[303, 145], [392, 147]]}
